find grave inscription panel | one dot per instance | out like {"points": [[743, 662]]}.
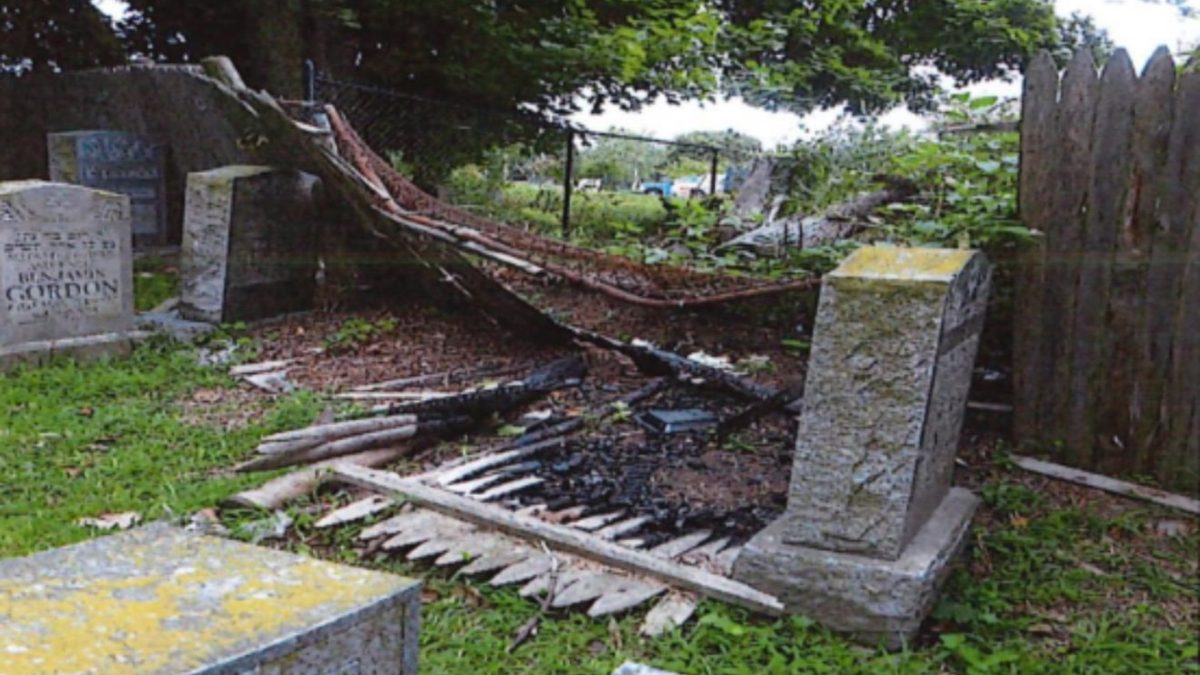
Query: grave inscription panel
{"points": [[65, 262], [119, 162]]}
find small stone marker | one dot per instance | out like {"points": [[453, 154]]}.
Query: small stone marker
{"points": [[249, 244], [159, 600], [66, 276], [119, 162], [871, 519]]}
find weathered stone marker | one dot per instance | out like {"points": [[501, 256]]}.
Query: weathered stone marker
{"points": [[66, 275], [157, 600], [871, 520], [249, 243], [119, 162]]}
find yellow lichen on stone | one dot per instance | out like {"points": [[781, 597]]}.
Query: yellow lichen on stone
{"points": [[204, 600], [904, 264]]}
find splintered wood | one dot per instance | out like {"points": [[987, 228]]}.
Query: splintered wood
{"points": [[706, 579], [571, 558]]}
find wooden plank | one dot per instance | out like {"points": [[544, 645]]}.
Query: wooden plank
{"points": [[469, 548], [392, 525], [587, 588], [1107, 205], [630, 594], [680, 545], [355, 511], [1039, 107], [705, 553], [441, 543], [245, 369], [1064, 243], [565, 538], [592, 523], [467, 487], [433, 525], [1180, 459], [1123, 404], [617, 529], [509, 488], [1107, 484], [671, 612], [1180, 193], [487, 462], [524, 570], [334, 430], [498, 559]]}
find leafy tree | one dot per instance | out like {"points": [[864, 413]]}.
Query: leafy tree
{"points": [[555, 56], [874, 54], [55, 35], [732, 145], [620, 161]]}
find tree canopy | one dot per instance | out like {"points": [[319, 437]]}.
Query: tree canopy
{"points": [[556, 56]]}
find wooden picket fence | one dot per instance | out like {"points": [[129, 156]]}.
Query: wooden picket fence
{"points": [[1107, 313]]}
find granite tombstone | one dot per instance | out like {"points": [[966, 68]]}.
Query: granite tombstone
{"points": [[249, 243], [119, 162], [871, 519], [66, 279]]}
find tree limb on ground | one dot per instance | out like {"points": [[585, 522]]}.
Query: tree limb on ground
{"points": [[838, 222]]}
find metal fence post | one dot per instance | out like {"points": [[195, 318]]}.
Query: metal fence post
{"points": [[712, 187], [568, 184], [310, 81]]}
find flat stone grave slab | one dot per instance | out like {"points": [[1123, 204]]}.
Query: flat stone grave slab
{"points": [[894, 345], [249, 244], [66, 275], [158, 600], [121, 162]]}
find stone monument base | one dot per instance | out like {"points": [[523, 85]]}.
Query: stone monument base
{"points": [[877, 601], [86, 348]]}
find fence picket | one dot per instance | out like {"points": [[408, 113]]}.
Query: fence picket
{"points": [[1064, 240], [1108, 200], [1122, 404], [1039, 106]]}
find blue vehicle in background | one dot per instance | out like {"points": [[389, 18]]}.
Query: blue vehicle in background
{"points": [[661, 187]]}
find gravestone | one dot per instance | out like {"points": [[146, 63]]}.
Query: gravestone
{"points": [[871, 519], [249, 243], [66, 275], [119, 162], [160, 600]]}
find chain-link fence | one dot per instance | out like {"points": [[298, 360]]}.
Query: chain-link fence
{"points": [[428, 139]]}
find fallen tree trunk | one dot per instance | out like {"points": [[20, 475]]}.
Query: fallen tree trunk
{"points": [[838, 222], [657, 362]]}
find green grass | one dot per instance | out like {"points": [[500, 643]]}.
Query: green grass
{"points": [[80, 441], [1050, 586], [153, 282]]}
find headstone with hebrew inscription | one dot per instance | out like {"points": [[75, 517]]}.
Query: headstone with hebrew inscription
{"points": [[871, 519], [249, 244], [119, 162], [66, 280]]}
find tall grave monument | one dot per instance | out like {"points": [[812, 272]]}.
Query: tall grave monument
{"points": [[119, 162], [249, 243], [66, 276], [872, 521]]}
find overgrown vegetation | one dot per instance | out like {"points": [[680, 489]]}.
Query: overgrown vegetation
{"points": [[967, 181]]}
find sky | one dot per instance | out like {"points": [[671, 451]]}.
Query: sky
{"points": [[1138, 26]]}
